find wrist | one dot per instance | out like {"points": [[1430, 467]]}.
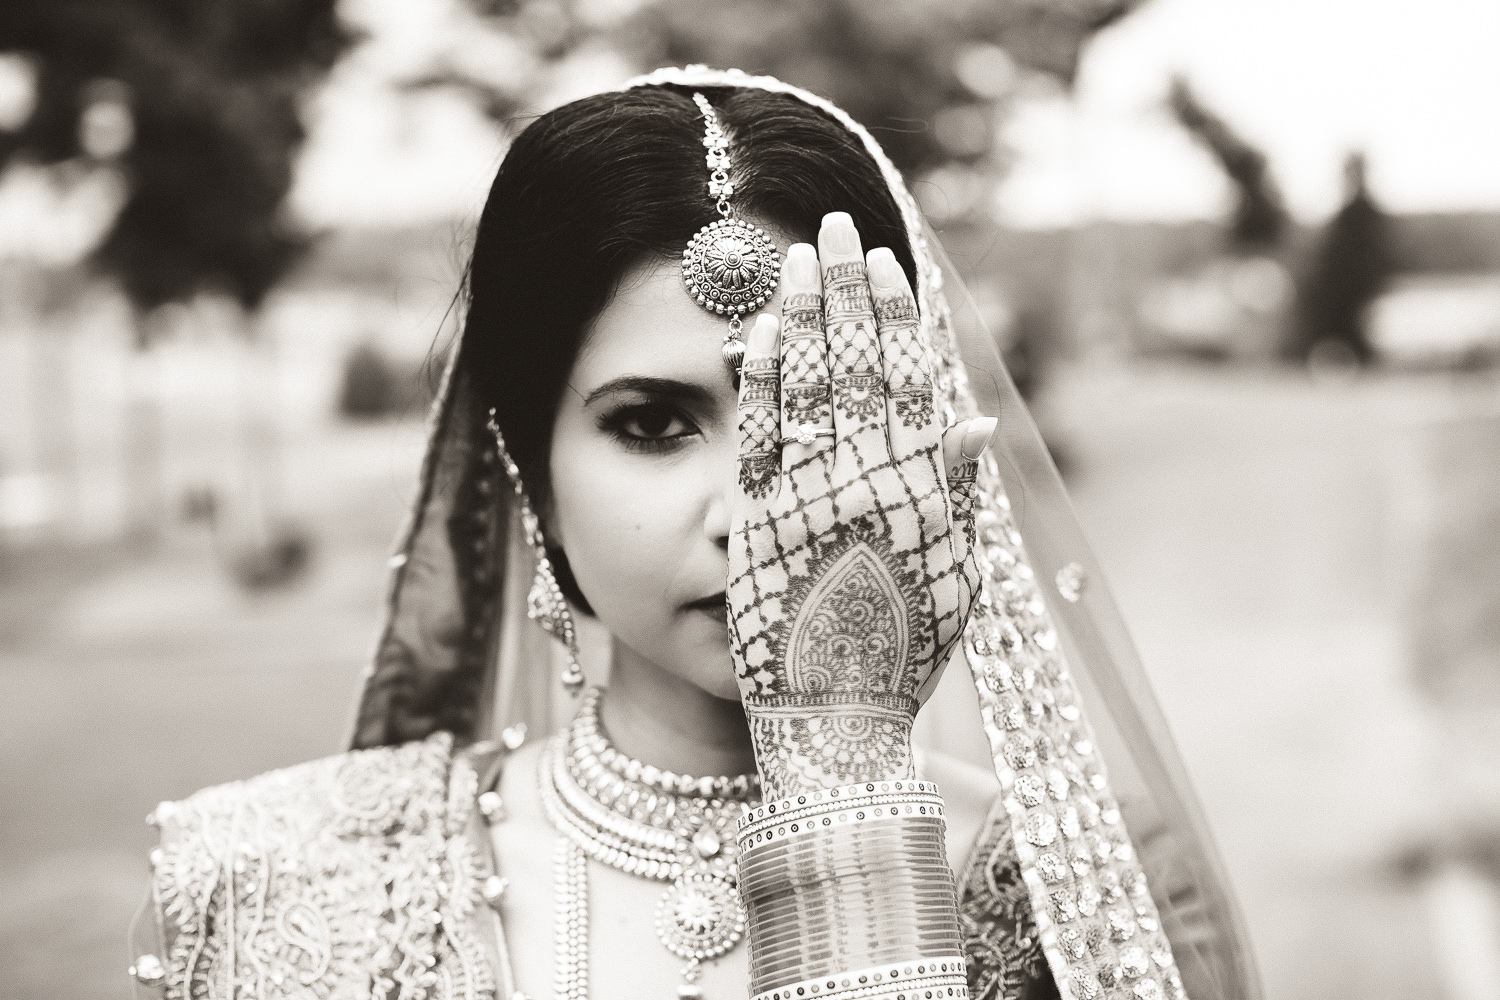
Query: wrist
{"points": [[809, 743]]}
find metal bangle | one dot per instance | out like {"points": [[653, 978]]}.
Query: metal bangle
{"points": [[834, 800], [943, 975], [920, 833], [856, 893], [836, 795], [767, 867]]}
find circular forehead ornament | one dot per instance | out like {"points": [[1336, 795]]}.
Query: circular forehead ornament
{"points": [[729, 267]]}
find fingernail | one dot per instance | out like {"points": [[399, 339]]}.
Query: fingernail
{"points": [[763, 335], [802, 264], [885, 273], [977, 438], [839, 234]]}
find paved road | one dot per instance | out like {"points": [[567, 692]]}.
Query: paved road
{"points": [[1257, 535]]}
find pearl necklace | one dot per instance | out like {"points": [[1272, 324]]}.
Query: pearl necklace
{"points": [[646, 822]]}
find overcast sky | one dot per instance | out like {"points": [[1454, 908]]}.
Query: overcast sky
{"points": [[1414, 83]]}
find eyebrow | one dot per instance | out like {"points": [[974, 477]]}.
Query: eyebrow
{"points": [[650, 385]]}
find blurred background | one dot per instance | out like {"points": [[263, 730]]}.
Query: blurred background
{"points": [[1243, 257]]}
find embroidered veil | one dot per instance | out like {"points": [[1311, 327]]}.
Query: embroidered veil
{"points": [[1078, 746]]}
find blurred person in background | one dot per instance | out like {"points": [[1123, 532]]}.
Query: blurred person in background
{"points": [[761, 480], [1349, 269]]}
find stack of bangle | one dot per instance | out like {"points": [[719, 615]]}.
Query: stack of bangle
{"points": [[849, 895]]}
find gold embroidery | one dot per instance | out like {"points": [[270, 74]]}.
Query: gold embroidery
{"points": [[349, 877]]}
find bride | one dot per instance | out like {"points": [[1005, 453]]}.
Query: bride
{"points": [[715, 426]]}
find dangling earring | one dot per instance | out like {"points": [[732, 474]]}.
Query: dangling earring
{"points": [[545, 604]]}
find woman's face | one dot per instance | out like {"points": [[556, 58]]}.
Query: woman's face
{"points": [[642, 465]]}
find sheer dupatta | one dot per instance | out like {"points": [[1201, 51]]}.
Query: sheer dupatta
{"points": [[1048, 681]]}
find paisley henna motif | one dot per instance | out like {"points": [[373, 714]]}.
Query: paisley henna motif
{"points": [[852, 629]]}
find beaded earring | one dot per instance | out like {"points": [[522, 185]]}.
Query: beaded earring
{"points": [[545, 603]]}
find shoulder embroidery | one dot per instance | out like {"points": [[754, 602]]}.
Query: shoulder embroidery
{"points": [[341, 878]]}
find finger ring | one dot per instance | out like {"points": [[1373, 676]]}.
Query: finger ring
{"points": [[808, 433]]}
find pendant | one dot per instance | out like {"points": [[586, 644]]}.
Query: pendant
{"points": [[689, 989], [700, 916], [731, 268]]}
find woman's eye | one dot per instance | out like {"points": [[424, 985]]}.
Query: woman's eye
{"points": [[654, 423], [649, 426]]}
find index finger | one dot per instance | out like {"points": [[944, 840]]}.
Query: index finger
{"points": [[760, 411]]}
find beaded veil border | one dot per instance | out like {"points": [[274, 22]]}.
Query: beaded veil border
{"points": [[456, 645]]}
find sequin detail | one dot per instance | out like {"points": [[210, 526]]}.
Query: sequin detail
{"points": [[1070, 843], [1071, 581]]}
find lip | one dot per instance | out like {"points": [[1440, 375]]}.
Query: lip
{"points": [[713, 603]]}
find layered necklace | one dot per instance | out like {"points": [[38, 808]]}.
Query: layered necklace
{"points": [[646, 822]]}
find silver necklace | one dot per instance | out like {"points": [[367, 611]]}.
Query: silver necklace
{"points": [[645, 822]]}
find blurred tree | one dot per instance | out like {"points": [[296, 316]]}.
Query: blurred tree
{"points": [[1259, 222], [197, 104], [926, 76]]}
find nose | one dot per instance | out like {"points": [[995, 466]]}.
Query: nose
{"points": [[720, 491]]}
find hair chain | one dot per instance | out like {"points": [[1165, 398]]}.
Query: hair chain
{"points": [[729, 267]]}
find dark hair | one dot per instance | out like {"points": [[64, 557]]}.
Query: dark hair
{"points": [[593, 187]]}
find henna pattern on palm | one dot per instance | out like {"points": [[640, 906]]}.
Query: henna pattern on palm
{"points": [[852, 577]]}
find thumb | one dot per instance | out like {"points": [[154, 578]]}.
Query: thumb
{"points": [[965, 442]]}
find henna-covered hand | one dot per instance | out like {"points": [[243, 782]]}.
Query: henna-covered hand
{"points": [[851, 566]]}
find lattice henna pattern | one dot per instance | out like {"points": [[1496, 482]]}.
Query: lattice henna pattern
{"points": [[853, 347], [963, 488], [907, 380], [760, 418], [804, 362]]}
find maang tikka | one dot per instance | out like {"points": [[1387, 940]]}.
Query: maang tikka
{"points": [[545, 603], [730, 267]]}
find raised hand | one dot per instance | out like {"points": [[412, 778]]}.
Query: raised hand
{"points": [[851, 572]]}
